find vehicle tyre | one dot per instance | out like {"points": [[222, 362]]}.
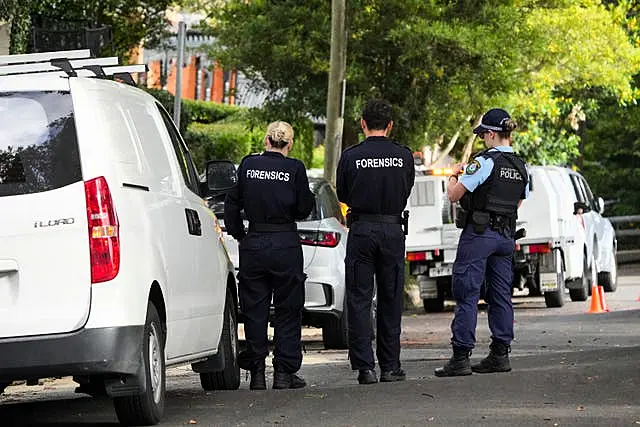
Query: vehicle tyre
{"points": [[147, 408], [556, 298], [582, 293], [434, 305], [609, 279], [229, 378], [335, 331]]}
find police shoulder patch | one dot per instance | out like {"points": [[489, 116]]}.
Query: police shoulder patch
{"points": [[472, 167]]}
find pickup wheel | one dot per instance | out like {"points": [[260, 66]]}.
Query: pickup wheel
{"points": [[582, 293], [609, 279], [556, 298], [147, 408], [229, 378], [433, 305]]}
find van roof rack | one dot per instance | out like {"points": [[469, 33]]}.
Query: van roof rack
{"points": [[69, 63]]}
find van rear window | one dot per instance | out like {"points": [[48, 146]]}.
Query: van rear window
{"points": [[38, 142]]}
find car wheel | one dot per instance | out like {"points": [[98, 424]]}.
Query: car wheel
{"points": [[229, 378], [556, 298], [609, 279], [582, 293], [335, 331], [147, 408]]}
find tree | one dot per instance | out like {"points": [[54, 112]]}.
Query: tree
{"points": [[438, 62], [132, 21]]}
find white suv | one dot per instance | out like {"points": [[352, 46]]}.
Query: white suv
{"points": [[111, 265]]}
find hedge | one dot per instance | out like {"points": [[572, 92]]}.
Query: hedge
{"points": [[218, 141], [210, 112]]}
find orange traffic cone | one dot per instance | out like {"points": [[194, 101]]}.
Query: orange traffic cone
{"points": [[596, 304], [602, 300]]}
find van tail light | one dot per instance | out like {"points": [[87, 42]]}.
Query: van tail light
{"points": [[418, 256], [329, 239], [544, 248], [104, 235]]}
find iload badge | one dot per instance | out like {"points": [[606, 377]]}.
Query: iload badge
{"points": [[472, 167]]}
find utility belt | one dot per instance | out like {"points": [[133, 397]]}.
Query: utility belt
{"points": [[263, 227], [386, 219], [481, 220]]}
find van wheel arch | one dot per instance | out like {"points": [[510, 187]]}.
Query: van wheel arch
{"points": [[157, 299]]}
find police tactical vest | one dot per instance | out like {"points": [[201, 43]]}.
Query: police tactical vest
{"points": [[503, 189]]}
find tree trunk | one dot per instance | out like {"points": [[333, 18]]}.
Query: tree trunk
{"points": [[468, 147], [452, 143]]}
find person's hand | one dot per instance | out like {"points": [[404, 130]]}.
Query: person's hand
{"points": [[457, 169]]}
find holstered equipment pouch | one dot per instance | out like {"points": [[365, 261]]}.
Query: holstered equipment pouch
{"points": [[480, 221], [462, 218]]}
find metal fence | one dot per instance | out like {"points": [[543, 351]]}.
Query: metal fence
{"points": [[628, 235]]}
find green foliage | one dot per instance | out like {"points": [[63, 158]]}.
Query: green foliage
{"points": [[613, 145], [132, 21], [210, 112], [318, 157], [441, 62], [218, 141]]}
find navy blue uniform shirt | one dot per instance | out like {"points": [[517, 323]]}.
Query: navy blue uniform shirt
{"points": [[272, 189], [376, 176]]}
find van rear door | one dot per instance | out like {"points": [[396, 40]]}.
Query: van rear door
{"points": [[45, 272]]}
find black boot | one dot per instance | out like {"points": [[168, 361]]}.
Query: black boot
{"points": [[496, 361], [282, 380], [458, 365], [258, 380]]}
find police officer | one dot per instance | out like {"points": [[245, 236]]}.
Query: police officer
{"points": [[490, 191], [374, 179], [274, 192]]}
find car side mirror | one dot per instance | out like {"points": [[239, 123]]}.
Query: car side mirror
{"points": [[580, 207], [600, 205], [221, 176]]}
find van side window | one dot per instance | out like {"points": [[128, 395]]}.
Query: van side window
{"points": [[184, 158]]}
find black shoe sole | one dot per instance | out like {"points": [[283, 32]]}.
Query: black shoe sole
{"points": [[444, 374], [260, 387], [490, 371], [288, 386]]}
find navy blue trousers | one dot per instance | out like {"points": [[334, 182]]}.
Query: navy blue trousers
{"points": [[271, 265], [375, 249], [487, 255]]}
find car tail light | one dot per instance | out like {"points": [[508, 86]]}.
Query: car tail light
{"points": [[417, 256], [544, 248], [104, 237], [328, 239]]}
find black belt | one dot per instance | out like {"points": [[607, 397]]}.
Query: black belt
{"points": [[387, 219], [272, 228]]}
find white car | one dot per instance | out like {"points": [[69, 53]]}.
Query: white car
{"points": [[112, 267], [324, 241]]}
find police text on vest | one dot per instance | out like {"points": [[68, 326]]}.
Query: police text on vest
{"points": [[510, 173]]}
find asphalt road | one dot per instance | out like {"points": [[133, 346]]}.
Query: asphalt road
{"points": [[569, 369]]}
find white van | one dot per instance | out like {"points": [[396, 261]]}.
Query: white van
{"points": [[111, 265]]}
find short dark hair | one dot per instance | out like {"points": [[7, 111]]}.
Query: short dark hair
{"points": [[377, 114]]}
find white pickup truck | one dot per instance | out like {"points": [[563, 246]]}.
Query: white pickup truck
{"points": [[564, 248], [433, 237]]}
